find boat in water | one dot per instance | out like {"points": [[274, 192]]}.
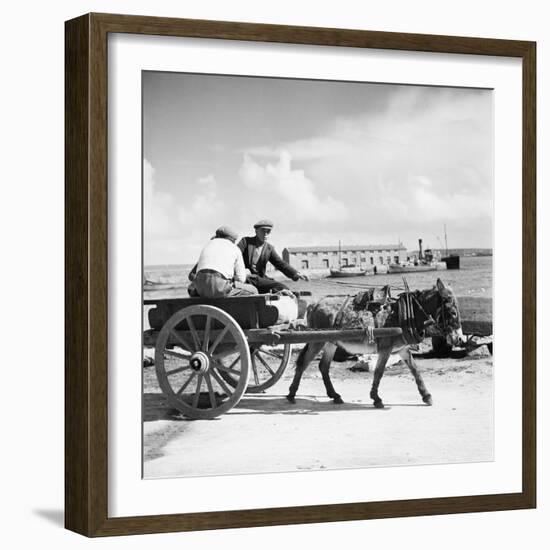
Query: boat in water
{"points": [[344, 270], [412, 267], [426, 261], [347, 271], [452, 261]]}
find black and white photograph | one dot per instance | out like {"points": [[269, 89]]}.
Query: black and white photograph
{"points": [[317, 275]]}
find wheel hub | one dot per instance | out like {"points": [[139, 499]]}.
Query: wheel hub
{"points": [[199, 361]]}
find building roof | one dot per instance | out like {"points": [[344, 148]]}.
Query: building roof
{"points": [[345, 248]]}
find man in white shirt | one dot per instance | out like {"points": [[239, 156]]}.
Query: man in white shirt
{"points": [[220, 270]]}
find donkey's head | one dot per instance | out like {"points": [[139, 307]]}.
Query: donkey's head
{"points": [[442, 305]]}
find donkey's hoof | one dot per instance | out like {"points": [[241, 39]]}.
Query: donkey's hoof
{"points": [[428, 400], [378, 404], [338, 400], [291, 399]]}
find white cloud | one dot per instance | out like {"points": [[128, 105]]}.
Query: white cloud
{"points": [[402, 171], [160, 212], [305, 149], [294, 192], [174, 230], [424, 160], [204, 205]]}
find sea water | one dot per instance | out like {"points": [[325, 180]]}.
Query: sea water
{"points": [[474, 278]]}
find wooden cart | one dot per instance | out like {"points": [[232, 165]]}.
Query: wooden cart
{"points": [[209, 352]]}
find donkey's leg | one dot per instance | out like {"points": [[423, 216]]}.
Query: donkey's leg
{"points": [[413, 367], [307, 355], [384, 352], [324, 367]]}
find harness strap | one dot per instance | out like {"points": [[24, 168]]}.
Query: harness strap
{"points": [[428, 316], [369, 333], [406, 319]]}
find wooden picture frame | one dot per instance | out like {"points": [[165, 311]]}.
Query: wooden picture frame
{"points": [[86, 283]]}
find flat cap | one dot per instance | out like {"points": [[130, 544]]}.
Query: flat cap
{"points": [[225, 232], [263, 223]]}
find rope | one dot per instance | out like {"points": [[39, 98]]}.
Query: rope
{"points": [[358, 285]]}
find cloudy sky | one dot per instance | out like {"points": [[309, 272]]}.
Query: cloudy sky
{"points": [[326, 161]]}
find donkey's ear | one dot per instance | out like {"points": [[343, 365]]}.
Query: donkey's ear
{"points": [[440, 285]]}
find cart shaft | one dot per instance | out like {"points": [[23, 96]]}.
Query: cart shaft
{"points": [[271, 336], [307, 336]]}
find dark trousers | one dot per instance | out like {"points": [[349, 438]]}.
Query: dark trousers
{"points": [[210, 284], [265, 285]]}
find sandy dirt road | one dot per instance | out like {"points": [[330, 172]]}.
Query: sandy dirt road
{"points": [[265, 433]]}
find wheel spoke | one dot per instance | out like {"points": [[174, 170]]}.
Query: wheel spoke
{"points": [[194, 334], [265, 364], [221, 374], [269, 352], [177, 354], [218, 360], [255, 371], [197, 391], [210, 390], [187, 382], [218, 340], [181, 340], [175, 371], [220, 382], [219, 366], [206, 339]]}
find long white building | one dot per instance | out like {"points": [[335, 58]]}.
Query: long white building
{"points": [[326, 257]]}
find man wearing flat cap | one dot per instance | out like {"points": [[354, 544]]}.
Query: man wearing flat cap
{"points": [[257, 252], [220, 270]]}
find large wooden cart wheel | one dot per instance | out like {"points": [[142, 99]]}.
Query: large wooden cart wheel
{"points": [[268, 365], [191, 360]]}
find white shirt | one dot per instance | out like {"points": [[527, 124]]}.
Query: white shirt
{"points": [[223, 256]]}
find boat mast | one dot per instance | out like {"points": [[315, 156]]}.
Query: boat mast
{"points": [[446, 247], [340, 254]]}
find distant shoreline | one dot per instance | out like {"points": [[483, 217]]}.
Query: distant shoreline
{"points": [[470, 252]]}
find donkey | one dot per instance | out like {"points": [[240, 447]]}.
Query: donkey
{"points": [[422, 313]]}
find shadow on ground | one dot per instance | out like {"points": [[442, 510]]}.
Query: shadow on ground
{"points": [[156, 407], [277, 404], [305, 404]]}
